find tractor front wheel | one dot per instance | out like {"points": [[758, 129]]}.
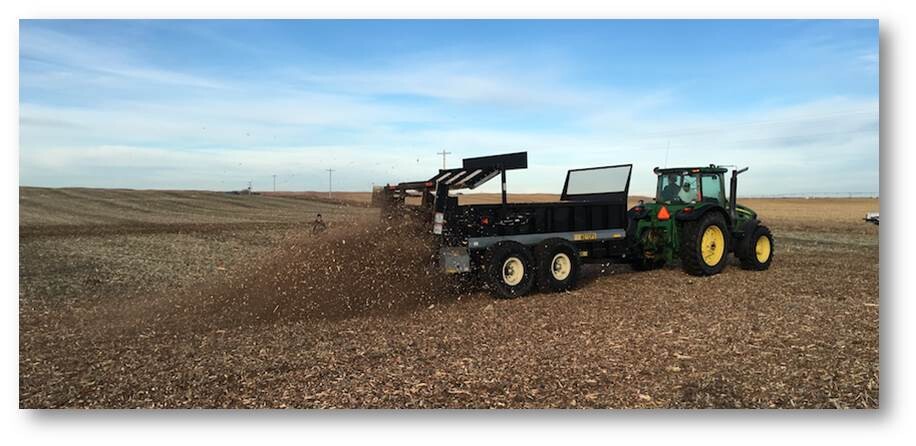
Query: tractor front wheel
{"points": [[758, 249], [704, 245]]}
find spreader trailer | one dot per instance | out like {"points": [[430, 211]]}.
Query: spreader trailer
{"points": [[517, 247]]}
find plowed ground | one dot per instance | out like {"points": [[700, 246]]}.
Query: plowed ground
{"points": [[192, 299]]}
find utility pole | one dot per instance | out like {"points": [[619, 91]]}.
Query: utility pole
{"points": [[329, 181], [443, 153], [275, 182]]}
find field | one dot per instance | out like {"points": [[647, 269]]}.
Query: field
{"points": [[202, 299]]}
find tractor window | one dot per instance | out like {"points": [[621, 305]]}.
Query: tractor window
{"points": [[688, 190], [675, 188], [712, 188], [668, 186]]}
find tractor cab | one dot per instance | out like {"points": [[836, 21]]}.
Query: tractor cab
{"points": [[688, 189], [691, 186]]}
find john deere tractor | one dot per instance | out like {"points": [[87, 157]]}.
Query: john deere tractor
{"points": [[692, 219]]}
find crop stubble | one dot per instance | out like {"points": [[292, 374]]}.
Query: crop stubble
{"points": [[230, 316]]}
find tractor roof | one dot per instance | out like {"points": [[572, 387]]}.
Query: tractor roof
{"points": [[679, 170]]}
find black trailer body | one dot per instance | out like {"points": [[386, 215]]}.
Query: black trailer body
{"points": [[517, 246]]}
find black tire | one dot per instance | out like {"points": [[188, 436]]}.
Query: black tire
{"points": [[692, 233], [505, 258], [558, 264], [753, 258]]}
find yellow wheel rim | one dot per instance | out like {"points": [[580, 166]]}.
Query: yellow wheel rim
{"points": [[560, 266], [513, 271], [713, 245], [763, 249]]}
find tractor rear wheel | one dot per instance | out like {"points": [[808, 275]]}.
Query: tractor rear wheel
{"points": [[558, 264], [704, 245], [510, 270], [758, 249]]}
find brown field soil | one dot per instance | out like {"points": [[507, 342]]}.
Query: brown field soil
{"points": [[200, 299]]}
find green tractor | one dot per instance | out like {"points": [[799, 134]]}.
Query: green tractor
{"points": [[692, 219]]}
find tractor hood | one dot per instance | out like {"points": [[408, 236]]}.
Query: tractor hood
{"points": [[746, 212]]}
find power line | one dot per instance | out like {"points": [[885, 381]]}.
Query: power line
{"points": [[790, 139], [786, 139], [667, 149], [871, 194], [727, 126]]}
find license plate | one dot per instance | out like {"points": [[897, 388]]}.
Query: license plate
{"points": [[585, 236]]}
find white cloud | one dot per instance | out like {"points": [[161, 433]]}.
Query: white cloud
{"points": [[186, 130]]}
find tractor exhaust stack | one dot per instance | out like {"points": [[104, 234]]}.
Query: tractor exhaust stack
{"points": [[733, 195]]}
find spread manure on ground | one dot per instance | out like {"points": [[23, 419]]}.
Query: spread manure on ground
{"points": [[359, 268]]}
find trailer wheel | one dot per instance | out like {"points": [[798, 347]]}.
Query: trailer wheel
{"points": [[510, 270], [704, 245], [758, 249], [558, 264]]}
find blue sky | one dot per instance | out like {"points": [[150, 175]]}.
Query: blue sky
{"points": [[213, 104]]}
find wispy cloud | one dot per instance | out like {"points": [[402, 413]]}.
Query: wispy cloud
{"points": [[72, 57], [456, 81], [781, 144]]}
